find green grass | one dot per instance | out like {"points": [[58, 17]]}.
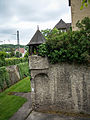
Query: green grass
{"points": [[9, 104]]}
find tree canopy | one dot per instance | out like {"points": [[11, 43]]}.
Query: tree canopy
{"points": [[71, 46], [85, 3]]}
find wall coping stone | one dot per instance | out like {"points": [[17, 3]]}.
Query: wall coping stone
{"points": [[38, 62]]}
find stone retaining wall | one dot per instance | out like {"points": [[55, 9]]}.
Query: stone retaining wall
{"points": [[59, 87], [13, 74]]}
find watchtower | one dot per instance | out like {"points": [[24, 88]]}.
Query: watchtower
{"points": [[36, 40]]}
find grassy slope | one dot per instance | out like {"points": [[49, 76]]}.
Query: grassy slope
{"points": [[9, 104]]}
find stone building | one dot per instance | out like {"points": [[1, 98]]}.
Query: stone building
{"points": [[76, 13], [62, 26]]}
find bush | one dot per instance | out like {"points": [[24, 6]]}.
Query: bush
{"points": [[4, 78], [26, 54], [23, 69], [42, 51], [68, 47], [12, 61], [8, 55], [2, 58], [18, 54]]}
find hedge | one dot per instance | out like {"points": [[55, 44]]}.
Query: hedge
{"points": [[23, 69], [12, 61], [4, 75], [4, 78]]}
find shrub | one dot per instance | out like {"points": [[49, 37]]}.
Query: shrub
{"points": [[8, 55], [4, 78], [68, 47], [18, 54], [2, 55], [12, 61], [26, 54], [42, 50], [23, 69], [2, 58]]}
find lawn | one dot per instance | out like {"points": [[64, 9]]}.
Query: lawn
{"points": [[9, 104]]}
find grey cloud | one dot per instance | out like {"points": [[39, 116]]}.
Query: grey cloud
{"points": [[7, 31], [27, 10], [34, 11]]}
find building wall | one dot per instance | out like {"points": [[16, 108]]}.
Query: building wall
{"points": [[78, 14], [59, 87]]}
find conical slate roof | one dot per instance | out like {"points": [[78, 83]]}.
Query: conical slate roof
{"points": [[37, 39], [61, 24]]}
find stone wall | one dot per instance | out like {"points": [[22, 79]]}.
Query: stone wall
{"points": [[59, 87], [78, 14], [13, 74]]}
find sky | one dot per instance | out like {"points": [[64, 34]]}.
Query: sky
{"points": [[25, 15]]}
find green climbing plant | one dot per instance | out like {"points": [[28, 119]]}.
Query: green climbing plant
{"points": [[4, 78]]}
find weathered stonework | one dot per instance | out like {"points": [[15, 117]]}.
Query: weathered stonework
{"points": [[13, 74], [59, 87]]}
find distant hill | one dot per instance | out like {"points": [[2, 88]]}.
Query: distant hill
{"points": [[9, 47]]}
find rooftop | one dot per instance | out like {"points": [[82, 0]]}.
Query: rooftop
{"points": [[37, 39], [62, 25]]}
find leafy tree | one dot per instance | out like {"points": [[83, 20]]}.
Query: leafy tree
{"points": [[8, 55], [2, 58], [18, 54], [12, 52], [48, 33], [72, 46], [84, 25], [27, 54], [85, 3], [2, 55]]}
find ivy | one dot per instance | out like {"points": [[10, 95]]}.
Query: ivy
{"points": [[4, 75], [23, 69], [4, 78]]}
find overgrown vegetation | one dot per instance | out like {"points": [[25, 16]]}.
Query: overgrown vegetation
{"points": [[18, 54], [23, 69], [9, 104], [12, 61], [2, 58], [85, 3], [72, 46], [11, 47], [4, 78]]}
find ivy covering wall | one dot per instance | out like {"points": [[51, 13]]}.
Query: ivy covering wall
{"points": [[5, 80], [23, 69]]}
